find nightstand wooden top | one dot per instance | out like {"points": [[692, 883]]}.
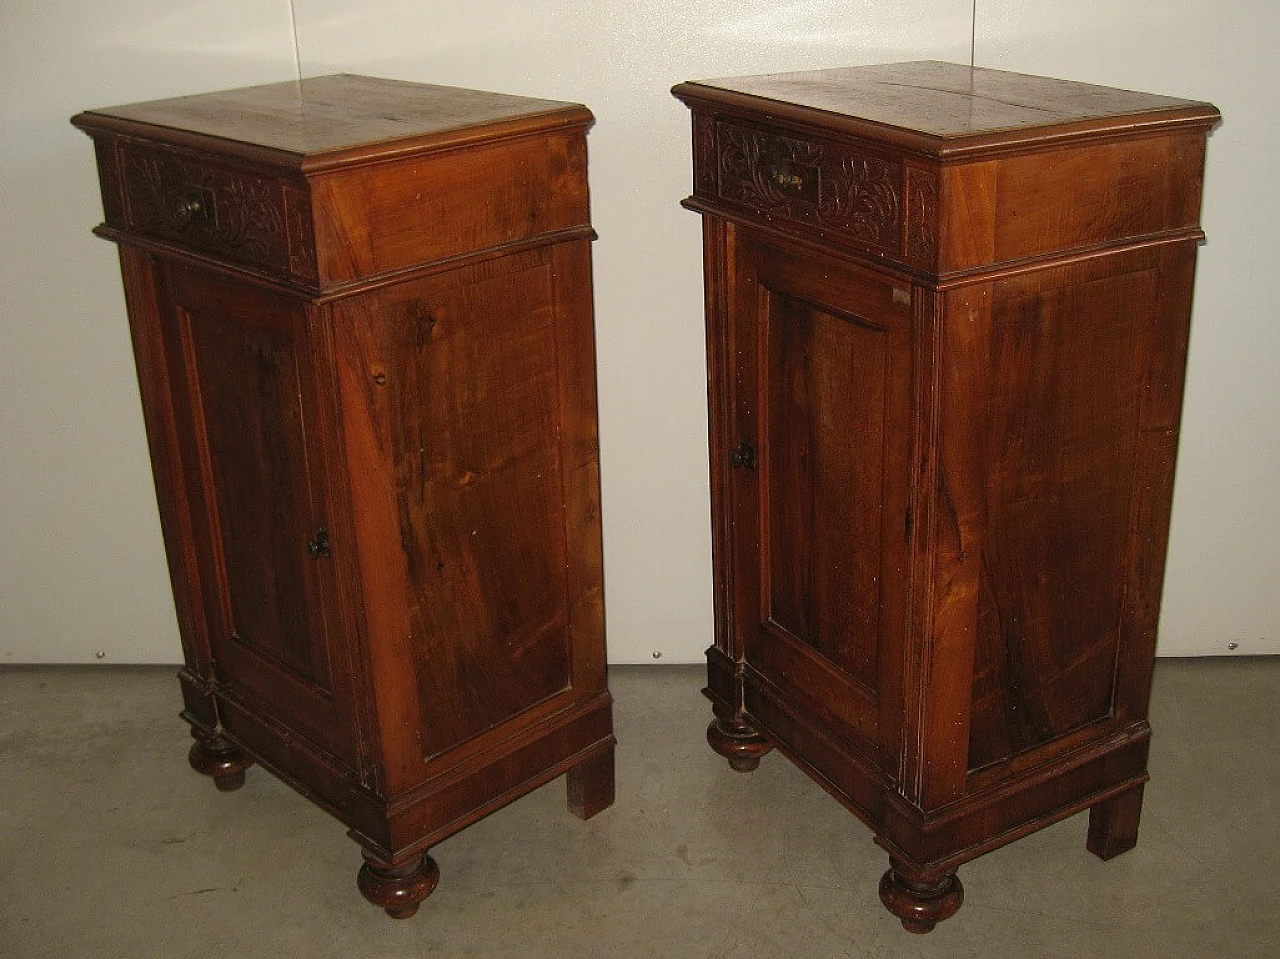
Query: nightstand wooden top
{"points": [[336, 115], [946, 104]]}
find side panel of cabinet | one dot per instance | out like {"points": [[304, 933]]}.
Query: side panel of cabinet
{"points": [[468, 403], [244, 395], [822, 390], [1080, 374]]}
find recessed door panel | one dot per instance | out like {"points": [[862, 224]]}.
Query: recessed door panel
{"points": [[252, 410], [825, 436], [246, 387], [825, 391]]}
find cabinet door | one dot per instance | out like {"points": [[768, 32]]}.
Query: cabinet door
{"points": [[819, 473], [244, 397]]}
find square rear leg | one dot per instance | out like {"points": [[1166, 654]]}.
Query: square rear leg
{"points": [[590, 784], [1113, 824]]}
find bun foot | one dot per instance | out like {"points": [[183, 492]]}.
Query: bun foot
{"points": [[737, 742], [218, 757], [920, 904], [398, 888]]}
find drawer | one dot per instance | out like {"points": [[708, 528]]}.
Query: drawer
{"points": [[243, 218], [816, 184]]}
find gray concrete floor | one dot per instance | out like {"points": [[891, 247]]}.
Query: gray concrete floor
{"points": [[112, 847]]}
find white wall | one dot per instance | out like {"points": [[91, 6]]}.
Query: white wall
{"points": [[1222, 583], [81, 566]]}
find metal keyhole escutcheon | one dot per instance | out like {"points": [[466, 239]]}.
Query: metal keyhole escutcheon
{"points": [[743, 456], [320, 545]]}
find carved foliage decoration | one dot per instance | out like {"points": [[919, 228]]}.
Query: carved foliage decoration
{"points": [[856, 194], [302, 248], [222, 210], [704, 153], [922, 216]]}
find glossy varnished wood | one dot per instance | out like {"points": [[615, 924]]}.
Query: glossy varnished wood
{"points": [[322, 183], [947, 109], [947, 315], [361, 311], [319, 121]]}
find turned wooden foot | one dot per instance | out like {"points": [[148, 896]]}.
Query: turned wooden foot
{"points": [[216, 756], [398, 887], [590, 785], [1113, 824], [920, 902], [737, 742]]}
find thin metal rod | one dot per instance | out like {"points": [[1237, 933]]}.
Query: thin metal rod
{"points": [[293, 26], [973, 36]]}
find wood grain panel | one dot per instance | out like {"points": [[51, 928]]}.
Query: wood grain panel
{"points": [[252, 412], [148, 319], [245, 375], [1081, 197], [968, 216], [823, 363], [461, 372], [1066, 380], [385, 217], [1166, 338], [479, 476], [825, 439], [245, 403]]}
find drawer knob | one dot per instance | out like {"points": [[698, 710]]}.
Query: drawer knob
{"points": [[190, 208], [788, 181]]}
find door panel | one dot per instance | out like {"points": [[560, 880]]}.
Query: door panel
{"points": [[244, 385], [828, 380], [825, 433], [251, 402]]}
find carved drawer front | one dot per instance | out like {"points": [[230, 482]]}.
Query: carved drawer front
{"points": [[830, 187], [241, 217]]}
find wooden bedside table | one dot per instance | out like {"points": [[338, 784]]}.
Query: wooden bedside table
{"points": [[361, 312], [947, 316]]}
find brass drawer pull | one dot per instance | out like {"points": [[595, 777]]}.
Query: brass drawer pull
{"points": [[191, 207], [788, 181]]}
